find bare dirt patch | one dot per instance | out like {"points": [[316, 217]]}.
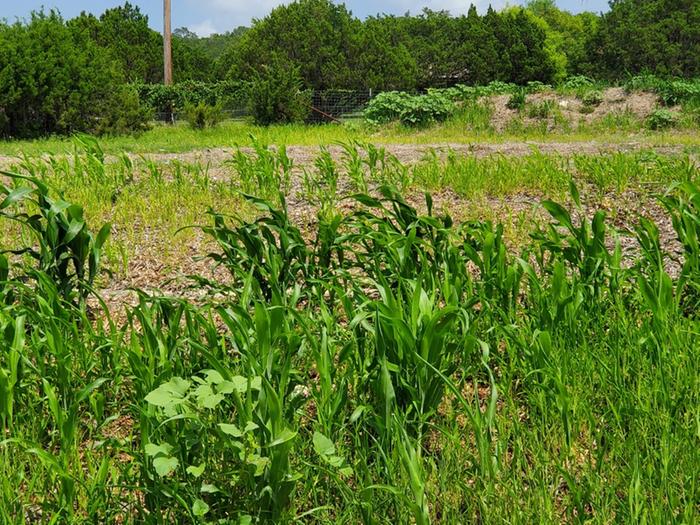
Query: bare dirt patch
{"points": [[215, 159], [615, 101]]}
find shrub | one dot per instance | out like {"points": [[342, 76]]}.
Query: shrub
{"points": [[577, 82], [498, 88], [678, 91], [661, 119], [161, 98], [200, 116], [275, 95], [517, 100], [592, 98], [536, 86], [650, 83], [386, 107], [411, 110], [121, 113], [693, 114], [671, 92], [53, 80], [426, 109], [457, 93]]}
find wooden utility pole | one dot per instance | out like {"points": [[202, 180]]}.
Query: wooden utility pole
{"points": [[167, 45]]}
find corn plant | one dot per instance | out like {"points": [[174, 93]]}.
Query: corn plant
{"points": [[683, 206], [88, 159], [321, 185], [355, 164], [394, 241], [582, 248], [382, 366], [67, 251], [412, 463], [655, 284], [500, 276], [271, 250], [266, 174], [417, 341]]}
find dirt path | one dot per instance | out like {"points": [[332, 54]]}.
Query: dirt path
{"points": [[412, 153], [408, 153]]}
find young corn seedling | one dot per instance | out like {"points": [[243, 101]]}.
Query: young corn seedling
{"points": [[266, 174], [270, 250], [67, 250], [683, 205], [321, 185], [355, 165], [499, 279], [581, 248]]}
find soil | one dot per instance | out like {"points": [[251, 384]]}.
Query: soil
{"points": [[615, 102], [304, 156]]}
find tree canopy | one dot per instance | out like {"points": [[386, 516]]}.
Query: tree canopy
{"points": [[653, 36], [333, 49], [58, 76], [54, 78]]}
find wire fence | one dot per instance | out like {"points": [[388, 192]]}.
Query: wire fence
{"points": [[337, 105], [180, 116]]}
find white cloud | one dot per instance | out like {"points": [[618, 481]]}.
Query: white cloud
{"points": [[227, 14], [204, 29]]}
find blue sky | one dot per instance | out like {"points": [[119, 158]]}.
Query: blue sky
{"points": [[207, 16]]}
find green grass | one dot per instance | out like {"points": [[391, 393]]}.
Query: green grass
{"points": [[382, 365], [472, 123], [181, 137], [543, 174], [149, 206]]}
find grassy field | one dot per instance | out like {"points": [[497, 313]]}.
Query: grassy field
{"points": [[473, 124], [333, 345]]}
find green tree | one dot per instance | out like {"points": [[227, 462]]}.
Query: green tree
{"points": [[567, 35], [55, 79], [199, 58], [527, 48], [277, 96], [477, 50], [332, 49], [190, 62], [382, 60], [429, 39], [124, 30], [656, 36], [315, 36]]}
